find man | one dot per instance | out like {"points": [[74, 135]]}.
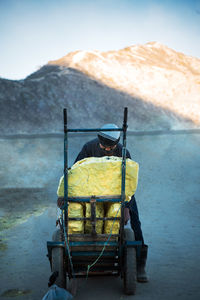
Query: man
{"points": [[107, 144]]}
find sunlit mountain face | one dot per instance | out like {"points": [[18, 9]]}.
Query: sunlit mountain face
{"points": [[161, 88]]}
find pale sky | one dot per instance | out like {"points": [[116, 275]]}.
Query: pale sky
{"points": [[32, 32]]}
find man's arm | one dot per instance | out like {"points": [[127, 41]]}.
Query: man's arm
{"points": [[83, 154], [128, 154], [60, 202]]}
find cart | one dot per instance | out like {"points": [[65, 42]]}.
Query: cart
{"points": [[85, 255]]}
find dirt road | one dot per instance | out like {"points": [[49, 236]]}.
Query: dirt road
{"points": [[168, 198]]}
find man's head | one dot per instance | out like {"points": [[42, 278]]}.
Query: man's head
{"points": [[108, 140]]}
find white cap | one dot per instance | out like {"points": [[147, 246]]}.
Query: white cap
{"points": [[109, 137]]}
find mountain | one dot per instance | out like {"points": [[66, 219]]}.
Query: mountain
{"points": [[161, 88]]}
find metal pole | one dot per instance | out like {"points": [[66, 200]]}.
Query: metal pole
{"points": [[65, 170], [123, 195], [94, 129], [124, 153], [124, 157]]}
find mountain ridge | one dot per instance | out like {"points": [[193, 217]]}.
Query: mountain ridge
{"points": [[149, 52], [160, 86]]}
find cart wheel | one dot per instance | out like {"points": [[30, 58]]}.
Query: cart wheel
{"points": [[130, 267], [58, 260]]}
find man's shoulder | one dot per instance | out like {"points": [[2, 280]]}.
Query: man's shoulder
{"points": [[120, 146], [92, 143]]}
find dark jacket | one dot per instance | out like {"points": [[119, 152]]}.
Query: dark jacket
{"points": [[92, 149]]}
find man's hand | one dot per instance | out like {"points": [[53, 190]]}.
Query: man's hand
{"points": [[60, 202], [126, 215]]}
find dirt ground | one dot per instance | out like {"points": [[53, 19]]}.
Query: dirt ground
{"points": [[168, 198]]}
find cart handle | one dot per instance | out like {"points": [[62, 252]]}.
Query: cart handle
{"points": [[124, 128]]}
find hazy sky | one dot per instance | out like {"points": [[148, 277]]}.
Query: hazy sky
{"points": [[32, 32]]}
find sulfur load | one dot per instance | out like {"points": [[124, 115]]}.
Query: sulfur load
{"points": [[100, 176], [75, 210], [112, 210], [99, 214]]}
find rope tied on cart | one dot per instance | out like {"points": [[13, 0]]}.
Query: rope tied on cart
{"points": [[105, 244]]}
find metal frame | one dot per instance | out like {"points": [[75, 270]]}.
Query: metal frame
{"points": [[67, 244]]}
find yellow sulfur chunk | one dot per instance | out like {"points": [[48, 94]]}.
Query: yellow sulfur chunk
{"points": [[100, 176], [75, 210], [99, 214], [112, 210]]}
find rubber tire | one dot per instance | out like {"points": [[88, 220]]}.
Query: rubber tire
{"points": [[57, 261], [130, 265]]}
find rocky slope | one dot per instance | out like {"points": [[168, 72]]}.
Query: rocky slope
{"points": [[160, 86]]}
